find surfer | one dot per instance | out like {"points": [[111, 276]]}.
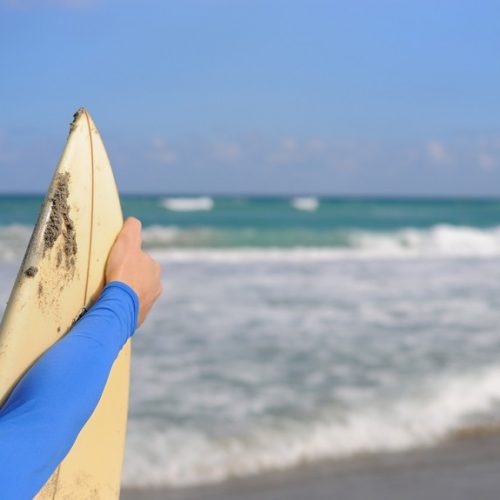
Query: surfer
{"points": [[45, 412]]}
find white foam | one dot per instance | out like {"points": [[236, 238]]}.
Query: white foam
{"points": [[201, 203], [13, 242], [170, 243], [441, 241], [178, 457], [308, 204]]}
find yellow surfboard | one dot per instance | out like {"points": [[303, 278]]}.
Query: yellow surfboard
{"points": [[61, 275]]}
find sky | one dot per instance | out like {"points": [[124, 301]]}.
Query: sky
{"points": [[371, 97]]}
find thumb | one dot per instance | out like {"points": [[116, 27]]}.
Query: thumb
{"points": [[131, 232]]}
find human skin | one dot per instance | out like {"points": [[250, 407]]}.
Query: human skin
{"points": [[45, 412], [129, 263]]}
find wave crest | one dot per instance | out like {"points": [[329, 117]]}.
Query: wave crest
{"points": [[308, 204], [203, 203], [241, 245], [441, 241]]}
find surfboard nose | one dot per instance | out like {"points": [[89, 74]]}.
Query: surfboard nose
{"points": [[77, 119], [82, 118]]}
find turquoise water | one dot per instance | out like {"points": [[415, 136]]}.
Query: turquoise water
{"points": [[275, 222], [297, 330]]}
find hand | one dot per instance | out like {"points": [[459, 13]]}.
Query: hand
{"points": [[127, 262]]}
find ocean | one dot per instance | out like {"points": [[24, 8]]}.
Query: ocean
{"points": [[295, 330]]}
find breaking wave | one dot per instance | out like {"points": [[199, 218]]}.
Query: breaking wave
{"points": [[438, 241], [175, 457], [203, 243], [308, 204], [203, 203]]}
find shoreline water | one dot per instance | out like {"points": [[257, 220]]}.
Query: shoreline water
{"points": [[454, 470], [291, 336]]}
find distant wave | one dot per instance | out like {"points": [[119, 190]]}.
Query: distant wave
{"points": [[13, 242], [177, 457], [440, 241], [308, 204], [239, 245], [202, 203]]}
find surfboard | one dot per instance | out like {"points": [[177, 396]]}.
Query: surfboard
{"points": [[60, 277]]}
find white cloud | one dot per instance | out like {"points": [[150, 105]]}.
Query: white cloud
{"points": [[279, 163], [162, 152], [438, 153], [286, 152], [316, 155], [316, 145], [487, 161], [227, 151]]}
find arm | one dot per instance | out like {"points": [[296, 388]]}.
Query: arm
{"points": [[47, 409], [44, 414]]}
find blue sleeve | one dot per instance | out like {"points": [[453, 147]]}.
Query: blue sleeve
{"points": [[43, 415]]}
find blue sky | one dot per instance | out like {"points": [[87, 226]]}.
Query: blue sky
{"points": [[257, 96]]}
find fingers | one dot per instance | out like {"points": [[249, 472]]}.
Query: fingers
{"points": [[130, 264], [133, 222], [131, 232]]}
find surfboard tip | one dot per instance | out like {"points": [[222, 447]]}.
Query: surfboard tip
{"points": [[76, 116]]}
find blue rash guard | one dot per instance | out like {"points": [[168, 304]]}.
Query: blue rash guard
{"points": [[45, 412]]}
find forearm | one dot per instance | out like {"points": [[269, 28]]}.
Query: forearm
{"points": [[47, 409]]}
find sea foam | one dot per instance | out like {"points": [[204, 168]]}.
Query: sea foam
{"points": [[202, 203], [440, 241], [13, 241], [225, 245], [176, 457], [308, 204]]}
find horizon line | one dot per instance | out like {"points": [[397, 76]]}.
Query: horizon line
{"points": [[435, 196]]}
